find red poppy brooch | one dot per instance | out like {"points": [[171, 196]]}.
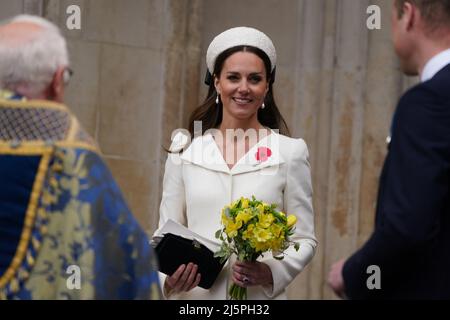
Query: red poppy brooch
{"points": [[263, 154]]}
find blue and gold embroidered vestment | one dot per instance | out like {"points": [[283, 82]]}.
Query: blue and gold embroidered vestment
{"points": [[65, 229]]}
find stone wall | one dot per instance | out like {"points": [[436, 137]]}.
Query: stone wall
{"points": [[118, 91]]}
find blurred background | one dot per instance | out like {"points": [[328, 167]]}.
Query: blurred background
{"points": [[139, 68]]}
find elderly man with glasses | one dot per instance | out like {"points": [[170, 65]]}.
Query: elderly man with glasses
{"points": [[65, 229]]}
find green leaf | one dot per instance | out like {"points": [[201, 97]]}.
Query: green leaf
{"points": [[297, 246], [223, 253], [218, 232]]}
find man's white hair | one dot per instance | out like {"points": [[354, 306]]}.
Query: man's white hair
{"points": [[32, 63]]}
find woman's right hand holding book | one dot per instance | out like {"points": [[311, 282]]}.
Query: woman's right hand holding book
{"points": [[184, 279]]}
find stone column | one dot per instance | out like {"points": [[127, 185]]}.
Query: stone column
{"points": [[117, 89]]}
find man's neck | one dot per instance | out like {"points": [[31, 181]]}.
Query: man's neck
{"points": [[434, 62], [430, 49]]}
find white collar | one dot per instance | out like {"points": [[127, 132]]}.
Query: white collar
{"points": [[204, 152], [435, 64]]}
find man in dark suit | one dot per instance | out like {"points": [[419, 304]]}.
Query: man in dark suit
{"points": [[410, 246]]}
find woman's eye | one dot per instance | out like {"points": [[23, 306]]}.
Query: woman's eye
{"points": [[232, 78], [255, 79]]}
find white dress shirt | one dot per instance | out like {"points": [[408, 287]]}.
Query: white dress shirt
{"points": [[435, 64]]}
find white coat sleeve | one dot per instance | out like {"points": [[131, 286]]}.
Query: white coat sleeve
{"points": [[297, 200], [173, 202]]}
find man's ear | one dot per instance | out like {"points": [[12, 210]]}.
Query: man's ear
{"points": [[56, 88], [410, 15]]}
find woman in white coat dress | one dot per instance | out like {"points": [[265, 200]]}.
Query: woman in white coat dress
{"points": [[237, 152]]}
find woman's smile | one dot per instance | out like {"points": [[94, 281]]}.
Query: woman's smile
{"points": [[242, 101]]}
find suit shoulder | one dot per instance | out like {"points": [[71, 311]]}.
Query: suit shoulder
{"points": [[424, 99], [440, 83], [423, 112], [433, 93], [416, 95]]}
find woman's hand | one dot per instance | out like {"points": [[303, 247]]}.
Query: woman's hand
{"points": [[185, 278], [247, 274]]}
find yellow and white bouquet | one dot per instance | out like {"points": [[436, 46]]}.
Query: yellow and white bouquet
{"points": [[251, 228]]}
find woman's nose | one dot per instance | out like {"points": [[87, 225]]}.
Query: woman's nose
{"points": [[243, 87]]}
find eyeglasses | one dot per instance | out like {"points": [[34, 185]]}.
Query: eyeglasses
{"points": [[67, 74]]}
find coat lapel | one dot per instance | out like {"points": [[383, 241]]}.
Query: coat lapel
{"points": [[205, 153], [266, 153]]}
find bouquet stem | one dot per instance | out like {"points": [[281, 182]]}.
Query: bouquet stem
{"points": [[237, 293]]}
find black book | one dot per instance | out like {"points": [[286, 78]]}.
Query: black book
{"points": [[174, 250]]}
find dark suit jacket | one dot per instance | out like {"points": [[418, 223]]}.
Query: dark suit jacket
{"points": [[411, 240]]}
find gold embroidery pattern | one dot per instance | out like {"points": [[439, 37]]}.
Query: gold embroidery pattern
{"points": [[75, 223], [36, 127]]}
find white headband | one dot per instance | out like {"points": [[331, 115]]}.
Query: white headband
{"points": [[240, 36]]}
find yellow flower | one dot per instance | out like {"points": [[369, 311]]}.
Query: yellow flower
{"points": [[244, 216], [260, 208], [225, 219], [248, 233], [283, 214], [276, 230], [261, 246], [244, 203], [265, 220], [232, 228], [291, 220], [262, 235], [276, 244]]}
